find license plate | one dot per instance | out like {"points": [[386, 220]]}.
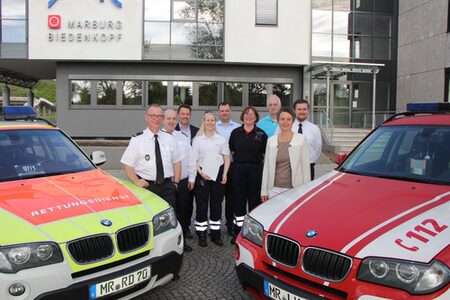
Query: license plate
{"points": [[118, 284], [275, 292]]}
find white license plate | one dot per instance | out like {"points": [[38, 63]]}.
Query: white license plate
{"points": [[275, 292], [118, 284]]}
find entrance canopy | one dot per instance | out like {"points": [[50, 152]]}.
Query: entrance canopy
{"points": [[13, 78], [329, 70]]}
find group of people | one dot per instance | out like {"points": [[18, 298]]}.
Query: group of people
{"points": [[246, 163]]}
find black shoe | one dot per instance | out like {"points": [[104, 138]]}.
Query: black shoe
{"points": [[187, 248], [218, 241], [202, 239]]}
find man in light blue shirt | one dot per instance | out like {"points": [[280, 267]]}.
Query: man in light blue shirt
{"points": [[270, 122], [224, 127]]}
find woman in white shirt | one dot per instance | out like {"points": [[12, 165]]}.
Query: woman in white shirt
{"points": [[210, 151], [286, 162]]}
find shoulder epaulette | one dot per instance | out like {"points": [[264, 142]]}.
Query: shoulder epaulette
{"points": [[137, 134]]}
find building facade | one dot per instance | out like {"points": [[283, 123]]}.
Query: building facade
{"points": [[112, 58], [424, 52]]}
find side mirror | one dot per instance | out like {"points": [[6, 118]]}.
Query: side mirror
{"points": [[98, 157], [340, 158]]}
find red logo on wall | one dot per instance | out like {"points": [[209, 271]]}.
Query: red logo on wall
{"points": [[54, 21]]}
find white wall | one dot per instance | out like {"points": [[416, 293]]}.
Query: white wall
{"points": [[123, 40], [287, 43]]}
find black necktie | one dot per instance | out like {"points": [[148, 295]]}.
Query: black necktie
{"points": [[300, 130], [159, 163]]}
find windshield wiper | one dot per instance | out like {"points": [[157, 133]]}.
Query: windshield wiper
{"points": [[350, 171], [403, 178]]}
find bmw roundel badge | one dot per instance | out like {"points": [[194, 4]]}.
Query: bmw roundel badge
{"points": [[311, 233], [106, 222]]}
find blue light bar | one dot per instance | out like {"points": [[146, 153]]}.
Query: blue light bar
{"points": [[428, 107], [17, 112]]}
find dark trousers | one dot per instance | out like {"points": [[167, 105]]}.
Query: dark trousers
{"points": [[229, 199], [189, 209], [246, 189], [165, 190], [311, 167], [182, 200], [208, 192]]}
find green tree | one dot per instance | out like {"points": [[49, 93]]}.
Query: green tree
{"points": [[43, 89]]}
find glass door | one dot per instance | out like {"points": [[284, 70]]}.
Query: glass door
{"points": [[340, 106], [319, 102]]}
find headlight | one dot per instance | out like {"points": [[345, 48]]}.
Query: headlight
{"points": [[164, 221], [252, 231], [414, 278], [27, 256]]}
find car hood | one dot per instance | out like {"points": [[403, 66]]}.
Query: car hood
{"points": [[66, 207], [363, 216]]}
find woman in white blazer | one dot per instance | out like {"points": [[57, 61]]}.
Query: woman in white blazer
{"points": [[286, 161]]}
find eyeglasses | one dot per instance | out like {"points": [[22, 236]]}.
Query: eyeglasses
{"points": [[155, 116], [249, 114]]}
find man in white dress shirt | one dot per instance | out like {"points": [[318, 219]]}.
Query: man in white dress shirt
{"points": [[152, 159], [309, 130], [187, 170]]}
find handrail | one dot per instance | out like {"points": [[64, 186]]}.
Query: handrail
{"points": [[325, 123]]}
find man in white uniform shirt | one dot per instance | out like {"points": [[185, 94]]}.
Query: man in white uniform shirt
{"points": [[152, 160], [184, 125], [224, 127], [187, 170], [309, 130]]}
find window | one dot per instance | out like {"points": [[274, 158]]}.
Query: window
{"points": [[13, 21], [233, 93], [448, 18], [81, 92], [257, 94], [184, 29], [207, 93], [157, 92], [267, 12], [283, 91], [106, 92], [182, 93], [132, 93], [157, 10]]}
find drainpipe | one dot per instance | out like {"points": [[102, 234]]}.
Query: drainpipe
{"points": [[374, 95], [328, 95]]}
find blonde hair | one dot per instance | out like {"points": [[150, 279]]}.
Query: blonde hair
{"points": [[201, 130]]}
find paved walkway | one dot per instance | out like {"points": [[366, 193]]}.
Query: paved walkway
{"points": [[208, 273]]}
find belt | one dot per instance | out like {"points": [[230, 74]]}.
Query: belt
{"points": [[154, 181]]}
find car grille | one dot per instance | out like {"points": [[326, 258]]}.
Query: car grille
{"points": [[282, 250], [133, 238], [91, 249], [325, 264]]}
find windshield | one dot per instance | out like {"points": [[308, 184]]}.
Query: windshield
{"points": [[413, 153], [37, 153]]}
